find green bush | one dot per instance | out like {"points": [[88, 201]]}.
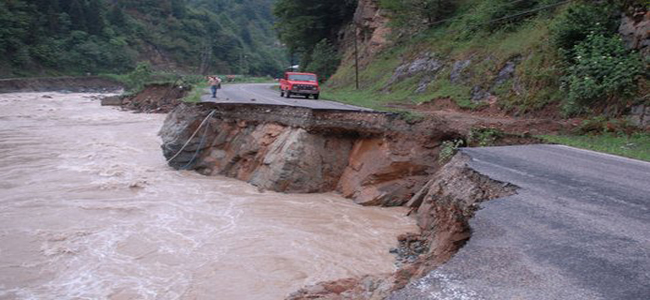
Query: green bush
{"points": [[579, 21], [603, 73], [484, 137], [136, 80], [448, 149]]}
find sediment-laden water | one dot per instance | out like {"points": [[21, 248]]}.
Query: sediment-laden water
{"points": [[89, 210]]}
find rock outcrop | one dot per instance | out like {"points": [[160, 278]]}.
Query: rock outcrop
{"points": [[635, 30], [371, 28]]}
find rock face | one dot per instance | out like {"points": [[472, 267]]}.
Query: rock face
{"points": [[270, 156], [372, 27], [426, 66], [386, 171], [372, 167], [640, 115], [635, 31]]}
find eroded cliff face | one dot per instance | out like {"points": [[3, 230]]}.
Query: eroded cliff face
{"points": [[375, 160], [443, 208], [370, 28]]}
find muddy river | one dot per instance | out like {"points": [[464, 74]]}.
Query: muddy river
{"points": [[89, 210]]}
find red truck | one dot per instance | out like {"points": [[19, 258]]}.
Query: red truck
{"points": [[294, 83]]}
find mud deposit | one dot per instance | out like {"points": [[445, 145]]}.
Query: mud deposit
{"points": [[90, 210]]}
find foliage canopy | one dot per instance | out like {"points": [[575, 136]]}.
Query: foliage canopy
{"points": [[92, 36]]}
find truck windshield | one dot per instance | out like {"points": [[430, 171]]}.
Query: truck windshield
{"points": [[296, 77]]}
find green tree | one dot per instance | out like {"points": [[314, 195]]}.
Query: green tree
{"points": [[324, 60], [79, 36], [303, 23], [95, 17], [140, 75], [178, 8], [77, 15], [116, 16]]}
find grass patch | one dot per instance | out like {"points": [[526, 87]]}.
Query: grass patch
{"points": [[527, 42], [635, 146], [198, 90], [363, 98]]}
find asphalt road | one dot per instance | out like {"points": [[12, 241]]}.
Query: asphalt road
{"points": [[263, 93], [579, 228]]}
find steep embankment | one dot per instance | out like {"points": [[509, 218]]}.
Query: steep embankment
{"points": [[377, 159], [154, 98], [373, 158], [495, 58], [443, 209]]}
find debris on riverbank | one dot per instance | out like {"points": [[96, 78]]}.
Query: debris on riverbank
{"points": [[154, 98]]}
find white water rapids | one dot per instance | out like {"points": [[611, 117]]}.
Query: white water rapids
{"points": [[90, 210]]}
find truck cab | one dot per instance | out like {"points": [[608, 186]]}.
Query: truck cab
{"points": [[295, 83]]}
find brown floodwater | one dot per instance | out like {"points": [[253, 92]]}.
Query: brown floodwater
{"points": [[90, 210]]}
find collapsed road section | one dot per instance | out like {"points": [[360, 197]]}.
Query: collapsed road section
{"points": [[578, 228], [569, 224], [373, 158]]}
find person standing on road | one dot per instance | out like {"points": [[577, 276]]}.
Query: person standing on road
{"points": [[215, 84]]}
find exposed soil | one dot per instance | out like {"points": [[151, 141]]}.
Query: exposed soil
{"points": [[443, 208], [490, 116], [373, 158], [154, 98]]}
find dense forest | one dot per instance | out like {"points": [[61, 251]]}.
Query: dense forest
{"points": [[311, 31], [55, 37]]}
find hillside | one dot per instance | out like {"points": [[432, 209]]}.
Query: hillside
{"points": [[51, 37], [546, 58]]}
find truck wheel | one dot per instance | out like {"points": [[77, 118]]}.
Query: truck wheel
{"points": [[281, 93], [288, 94], [306, 96], [316, 96]]}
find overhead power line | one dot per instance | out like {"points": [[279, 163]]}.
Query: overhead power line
{"points": [[462, 16], [528, 12]]}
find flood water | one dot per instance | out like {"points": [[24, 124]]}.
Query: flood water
{"points": [[89, 210]]}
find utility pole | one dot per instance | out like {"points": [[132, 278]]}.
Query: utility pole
{"points": [[356, 55]]}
